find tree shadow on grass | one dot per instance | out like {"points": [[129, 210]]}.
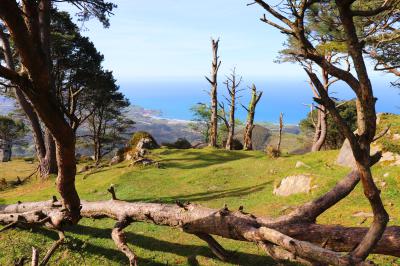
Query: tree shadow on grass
{"points": [[194, 160], [208, 195], [153, 244], [82, 248]]}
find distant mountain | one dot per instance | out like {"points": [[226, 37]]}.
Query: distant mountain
{"points": [[162, 129]]}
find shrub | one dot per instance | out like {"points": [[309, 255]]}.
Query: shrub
{"points": [[85, 159], [180, 143], [387, 145], [29, 159], [272, 151], [237, 145]]}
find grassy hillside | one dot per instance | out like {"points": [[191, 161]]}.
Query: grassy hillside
{"points": [[209, 177]]}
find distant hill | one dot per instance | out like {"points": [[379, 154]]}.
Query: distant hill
{"points": [[169, 130]]}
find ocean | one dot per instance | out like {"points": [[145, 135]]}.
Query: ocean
{"points": [[290, 96]]}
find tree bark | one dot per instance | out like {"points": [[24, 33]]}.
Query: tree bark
{"points": [[214, 95], [248, 132], [44, 145], [321, 130], [31, 42], [278, 146], [323, 241], [232, 83]]}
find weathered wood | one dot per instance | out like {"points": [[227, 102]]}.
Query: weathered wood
{"points": [[251, 110], [196, 219], [213, 80]]}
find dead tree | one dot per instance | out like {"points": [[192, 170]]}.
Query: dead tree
{"points": [[281, 237], [213, 80], [278, 146], [232, 83], [251, 110], [294, 26]]}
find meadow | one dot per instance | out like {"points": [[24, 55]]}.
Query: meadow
{"points": [[206, 176]]}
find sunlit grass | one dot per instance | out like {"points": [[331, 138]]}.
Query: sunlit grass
{"points": [[210, 177]]}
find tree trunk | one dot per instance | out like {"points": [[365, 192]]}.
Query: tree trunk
{"points": [[320, 130], [324, 242], [30, 31], [44, 145], [213, 93], [248, 132], [232, 83], [48, 165], [278, 147]]}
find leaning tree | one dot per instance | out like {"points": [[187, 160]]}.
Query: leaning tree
{"points": [[44, 142], [346, 14], [28, 23], [295, 236]]}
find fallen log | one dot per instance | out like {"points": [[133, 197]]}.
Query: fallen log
{"points": [[308, 240]]}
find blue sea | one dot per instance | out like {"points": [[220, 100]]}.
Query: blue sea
{"points": [[174, 97]]}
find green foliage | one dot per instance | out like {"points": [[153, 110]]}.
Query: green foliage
{"points": [[388, 142], [335, 137], [180, 143], [272, 151], [12, 130], [388, 145], [201, 120]]}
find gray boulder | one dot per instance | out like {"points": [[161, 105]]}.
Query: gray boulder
{"points": [[293, 185]]}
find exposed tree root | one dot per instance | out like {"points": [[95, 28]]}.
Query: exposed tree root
{"points": [[293, 237]]}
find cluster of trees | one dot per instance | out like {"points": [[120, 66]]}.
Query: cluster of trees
{"points": [[216, 124], [85, 93], [360, 28], [12, 131]]}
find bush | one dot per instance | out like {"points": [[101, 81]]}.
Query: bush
{"points": [[272, 151], [29, 159], [137, 136], [237, 145], [85, 159], [180, 143], [387, 145]]}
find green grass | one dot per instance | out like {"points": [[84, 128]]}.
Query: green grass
{"points": [[388, 143], [210, 177]]}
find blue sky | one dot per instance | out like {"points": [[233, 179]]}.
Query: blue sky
{"points": [[171, 39], [160, 51]]}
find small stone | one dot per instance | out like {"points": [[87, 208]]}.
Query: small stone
{"points": [[363, 214], [300, 164], [386, 175]]}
